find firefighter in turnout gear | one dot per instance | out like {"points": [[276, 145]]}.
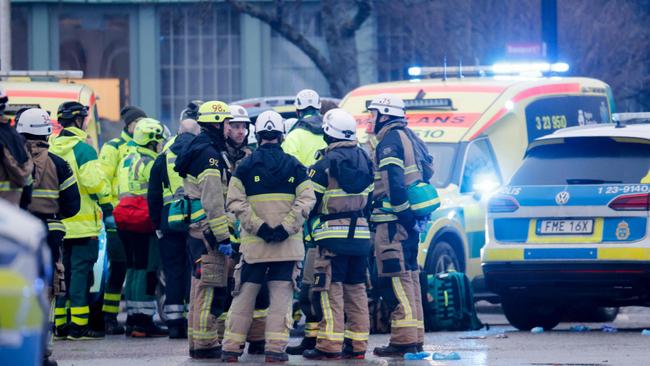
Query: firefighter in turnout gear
{"points": [[237, 131], [110, 156], [136, 230], [343, 182], [303, 142], [396, 240], [204, 174], [80, 245], [16, 165], [166, 186], [271, 195], [55, 194]]}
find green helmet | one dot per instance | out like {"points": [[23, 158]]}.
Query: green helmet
{"points": [[147, 130]]}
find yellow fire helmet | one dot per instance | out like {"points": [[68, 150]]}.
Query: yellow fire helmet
{"points": [[214, 112], [147, 130]]}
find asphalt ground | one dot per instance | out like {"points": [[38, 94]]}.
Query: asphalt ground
{"points": [[499, 345]]}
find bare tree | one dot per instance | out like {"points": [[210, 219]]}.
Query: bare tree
{"points": [[341, 21], [609, 40]]}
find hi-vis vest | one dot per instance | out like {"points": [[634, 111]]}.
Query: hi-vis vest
{"points": [[175, 189], [384, 213], [133, 172]]}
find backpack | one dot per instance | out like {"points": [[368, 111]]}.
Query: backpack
{"points": [[132, 214], [353, 171], [449, 303]]}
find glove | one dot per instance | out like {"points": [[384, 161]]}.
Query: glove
{"points": [[225, 249], [107, 210], [280, 234], [266, 233], [407, 219]]}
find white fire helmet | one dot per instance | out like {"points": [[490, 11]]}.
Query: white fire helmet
{"points": [[388, 104], [34, 121], [269, 121], [339, 124], [239, 114], [307, 98]]}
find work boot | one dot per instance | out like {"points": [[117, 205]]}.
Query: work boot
{"points": [[146, 328], [208, 353], [256, 347], [394, 350], [307, 343], [177, 330], [348, 351], [191, 353], [83, 333], [128, 329], [47, 361], [316, 354], [229, 357], [111, 325], [276, 357], [420, 347], [61, 332]]}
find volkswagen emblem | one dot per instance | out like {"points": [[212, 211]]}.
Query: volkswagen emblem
{"points": [[562, 198]]}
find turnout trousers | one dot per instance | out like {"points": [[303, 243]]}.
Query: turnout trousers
{"points": [[207, 302], [279, 277], [141, 276], [79, 256], [116, 273], [340, 293], [256, 331], [396, 255], [176, 266]]}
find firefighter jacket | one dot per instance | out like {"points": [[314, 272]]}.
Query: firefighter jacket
{"points": [[134, 170], [343, 182], [110, 157], [165, 185], [16, 166], [94, 187], [201, 166], [233, 156], [271, 187], [55, 194], [396, 169], [305, 139]]}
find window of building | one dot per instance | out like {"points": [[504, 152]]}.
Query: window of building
{"points": [[290, 69], [199, 56], [19, 38], [96, 41]]}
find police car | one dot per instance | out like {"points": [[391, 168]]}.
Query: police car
{"points": [[571, 228]]}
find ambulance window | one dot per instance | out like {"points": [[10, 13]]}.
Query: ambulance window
{"points": [[480, 171]]}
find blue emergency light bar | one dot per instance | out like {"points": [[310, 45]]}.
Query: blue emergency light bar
{"points": [[502, 68], [425, 103]]}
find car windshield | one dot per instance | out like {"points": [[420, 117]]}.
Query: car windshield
{"points": [[444, 156], [585, 160]]}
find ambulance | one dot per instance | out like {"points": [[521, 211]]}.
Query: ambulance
{"points": [[477, 130], [26, 89]]}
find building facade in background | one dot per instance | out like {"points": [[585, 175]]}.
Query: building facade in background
{"points": [[162, 54]]}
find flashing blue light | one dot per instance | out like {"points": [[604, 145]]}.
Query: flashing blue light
{"points": [[415, 71], [560, 67]]}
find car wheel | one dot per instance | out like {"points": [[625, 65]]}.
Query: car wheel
{"points": [[442, 259], [591, 314], [528, 314]]}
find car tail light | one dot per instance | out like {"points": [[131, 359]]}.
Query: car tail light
{"points": [[631, 202], [502, 203]]}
